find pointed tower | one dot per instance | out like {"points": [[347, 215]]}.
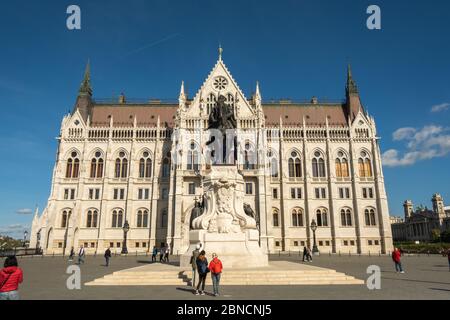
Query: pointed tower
{"points": [[353, 102], [438, 205], [84, 99]]}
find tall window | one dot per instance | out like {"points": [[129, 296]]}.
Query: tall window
{"points": [[322, 217], [275, 218], [73, 166], [297, 217], [273, 164], [318, 165], [97, 166], [92, 217], [142, 218], [341, 166], [365, 165], [164, 218], [369, 215], [166, 166], [210, 102], [121, 169], [117, 218], [346, 218], [65, 218], [294, 164], [249, 157], [192, 158], [145, 166]]}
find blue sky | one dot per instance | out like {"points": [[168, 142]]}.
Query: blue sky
{"points": [[295, 49]]}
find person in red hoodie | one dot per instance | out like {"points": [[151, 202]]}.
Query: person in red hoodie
{"points": [[10, 277], [396, 257], [215, 266]]}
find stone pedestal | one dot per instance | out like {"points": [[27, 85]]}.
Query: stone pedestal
{"points": [[224, 228]]}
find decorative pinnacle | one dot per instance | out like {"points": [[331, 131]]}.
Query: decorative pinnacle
{"points": [[220, 51]]}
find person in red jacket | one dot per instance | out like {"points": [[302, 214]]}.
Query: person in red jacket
{"points": [[215, 266], [396, 257], [10, 277]]}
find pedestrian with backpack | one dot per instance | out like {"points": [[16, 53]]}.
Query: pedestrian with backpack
{"points": [[10, 278]]}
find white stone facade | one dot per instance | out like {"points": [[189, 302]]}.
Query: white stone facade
{"points": [[354, 214]]}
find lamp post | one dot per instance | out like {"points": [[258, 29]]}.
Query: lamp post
{"points": [[25, 234], [38, 242], [126, 228], [313, 226]]}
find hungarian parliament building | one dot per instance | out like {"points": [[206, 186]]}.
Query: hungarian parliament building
{"points": [[134, 170]]}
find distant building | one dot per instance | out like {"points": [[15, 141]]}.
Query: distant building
{"points": [[418, 224]]}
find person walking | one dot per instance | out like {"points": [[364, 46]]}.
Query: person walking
{"points": [[305, 254], [81, 255], [448, 257], [71, 255], [396, 257], [107, 256], [154, 253], [194, 257], [10, 278], [309, 255], [215, 266], [161, 253], [166, 254], [202, 268]]}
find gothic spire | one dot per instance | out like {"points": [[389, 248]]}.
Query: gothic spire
{"points": [[85, 88], [351, 84]]}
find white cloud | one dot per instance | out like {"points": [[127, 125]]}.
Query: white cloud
{"points": [[440, 107], [24, 211], [14, 230], [421, 144]]}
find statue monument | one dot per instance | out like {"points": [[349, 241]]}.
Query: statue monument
{"points": [[223, 224]]}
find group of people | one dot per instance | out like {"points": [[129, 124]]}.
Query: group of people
{"points": [[201, 267], [164, 253]]}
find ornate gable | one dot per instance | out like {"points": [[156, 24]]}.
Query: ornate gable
{"points": [[219, 82]]}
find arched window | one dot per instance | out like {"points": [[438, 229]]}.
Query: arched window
{"points": [[97, 166], [192, 158], [370, 218], [65, 218], [341, 166], [166, 166], [365, 165], [210, 102], [145, 166], [121, 168], [346, 218], [275, 218], [73, 166], [318, 165], [294, 164], [249, 157], [142, 219], [297, 217], [273, 164], [322, 217], [92, 217], [117, 218]]}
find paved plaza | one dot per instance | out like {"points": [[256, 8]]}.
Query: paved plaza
{"points": [[426, 277]]}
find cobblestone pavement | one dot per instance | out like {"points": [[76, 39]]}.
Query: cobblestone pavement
{"points": [[426, 277]]}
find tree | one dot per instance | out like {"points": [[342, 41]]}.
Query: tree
{"points": [[435, 235]]}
